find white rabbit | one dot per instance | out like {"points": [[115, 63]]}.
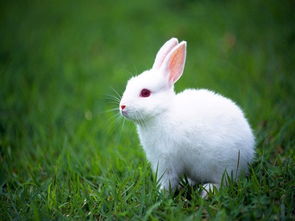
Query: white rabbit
{"points": [[196, 133]]}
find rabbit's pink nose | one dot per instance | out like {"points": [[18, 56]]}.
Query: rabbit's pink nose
{"points": [[123, 107]]}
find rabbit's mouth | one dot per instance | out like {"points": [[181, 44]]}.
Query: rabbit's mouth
{"points": [[132, 115], [124, 113]]}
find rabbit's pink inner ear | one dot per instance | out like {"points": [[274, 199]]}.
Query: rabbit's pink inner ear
{"points": [[176, 62], [163, 52]]}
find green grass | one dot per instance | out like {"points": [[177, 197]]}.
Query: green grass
{"points": [[63, 156]]}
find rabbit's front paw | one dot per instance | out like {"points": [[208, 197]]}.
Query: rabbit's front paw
{"points": [[208, 187], [169, 182]]}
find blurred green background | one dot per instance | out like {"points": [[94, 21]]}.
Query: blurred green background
{"points": [[65, 155]]}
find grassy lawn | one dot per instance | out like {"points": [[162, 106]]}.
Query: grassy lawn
{"points": [[65, 155]]}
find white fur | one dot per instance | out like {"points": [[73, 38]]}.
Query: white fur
{"points": [[196, 133]]}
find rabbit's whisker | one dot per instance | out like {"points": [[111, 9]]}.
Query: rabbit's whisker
{"points": [[110, 110], [112, 98], [117, 93]]}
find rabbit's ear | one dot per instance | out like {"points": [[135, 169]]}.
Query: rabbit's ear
{"points": [[173, 64], [163, 52]]}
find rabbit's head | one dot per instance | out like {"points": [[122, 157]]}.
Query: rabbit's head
{"points": [[149, 94]]}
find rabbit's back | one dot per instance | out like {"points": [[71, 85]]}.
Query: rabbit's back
{"points": [[207, 110], [214, 133]]}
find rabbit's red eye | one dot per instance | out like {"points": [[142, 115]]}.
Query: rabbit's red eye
{"points": [[145, 93]]}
